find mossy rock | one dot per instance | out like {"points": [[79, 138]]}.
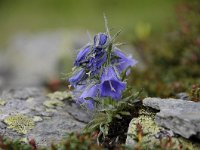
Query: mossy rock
{"points": [[152, 134], [26, 116]]}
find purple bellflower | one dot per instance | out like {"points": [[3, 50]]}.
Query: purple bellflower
{"points": [[91, 92], [81, 57], [111, 86], [78, 77], [123, 61], [101, 40], [100, 63], [96, 62]]}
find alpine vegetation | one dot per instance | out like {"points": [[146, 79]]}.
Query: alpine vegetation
{"points": [[99, 71]]}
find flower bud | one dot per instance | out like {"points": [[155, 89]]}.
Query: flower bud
{"points": [[101, 40]]}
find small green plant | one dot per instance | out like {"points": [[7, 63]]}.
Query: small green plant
{"points": [[7, 144], [70, 142], [195, 93], [111, 110]]}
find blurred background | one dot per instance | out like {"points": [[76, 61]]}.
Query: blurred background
{"points": [[39, 39]]}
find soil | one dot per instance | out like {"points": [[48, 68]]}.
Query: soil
{"points": [[119, 127]]}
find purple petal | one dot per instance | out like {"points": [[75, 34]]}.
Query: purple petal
{"points": [[92, 92], [111, 86], [109, 74], [112, 89], [124, 61], [80, 76], [100, 40], [82, 55]]}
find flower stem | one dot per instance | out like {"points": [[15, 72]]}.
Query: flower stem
{"points": [[109, 54]]}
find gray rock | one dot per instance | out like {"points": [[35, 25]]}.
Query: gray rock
{"points": [[45, 124], [31, 59], [183, 96], [180, 116]]}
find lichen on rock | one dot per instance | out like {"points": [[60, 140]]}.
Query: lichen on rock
{"points": [[150, 129], [37, 119], [20, 123], [2, 102], [41, 122], [58, 95], [53, 103], [154, 134], [56, 99]]}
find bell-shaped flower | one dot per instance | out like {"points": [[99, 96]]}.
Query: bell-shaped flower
{"points": [[101, 40], [92, 92], [111, 86], [81, 57], [78, 77], [122, 62], [97, 61]]}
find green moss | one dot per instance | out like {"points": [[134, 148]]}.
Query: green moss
{"points": [[24, 140], [2, 102], [20, 123]]}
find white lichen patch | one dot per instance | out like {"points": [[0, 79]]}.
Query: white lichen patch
{"points": [[37, 119], [53, 103], [30, 100], [50, 110], [59, 95], [20, 123], [148, 125], [2, 102]]}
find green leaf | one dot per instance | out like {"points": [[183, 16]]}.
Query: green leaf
{"points": [[89, 98], [124, 73], [125, 113], [118, 116]]}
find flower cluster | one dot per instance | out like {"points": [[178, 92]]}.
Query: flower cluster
{"points": [[98, 69]]}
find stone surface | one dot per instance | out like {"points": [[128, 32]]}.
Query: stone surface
{"points": [[183, 96], [180, 116], [42, 123], [31, 59], [153, 134]]}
